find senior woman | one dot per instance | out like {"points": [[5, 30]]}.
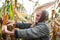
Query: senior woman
{"points": [[40, 31]]}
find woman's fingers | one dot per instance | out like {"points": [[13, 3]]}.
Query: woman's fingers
{"points": [[4, 27], [4, 30], [11, 21], [9, 32]]}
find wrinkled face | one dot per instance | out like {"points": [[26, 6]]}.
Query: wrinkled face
{"points": [[38, 16]]}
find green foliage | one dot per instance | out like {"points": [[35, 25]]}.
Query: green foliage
{"points": [[10, 11], [59, 12], [27, 17], [1, 10], [0, 13]]}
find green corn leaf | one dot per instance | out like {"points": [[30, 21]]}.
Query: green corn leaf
{"points": [[10, 11]]}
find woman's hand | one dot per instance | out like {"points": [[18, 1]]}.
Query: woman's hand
{"points": [[11, 21], [4, 27], [4, 30], [9, 32]]}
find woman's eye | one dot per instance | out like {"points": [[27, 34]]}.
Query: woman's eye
{"points": [[38, 15]]}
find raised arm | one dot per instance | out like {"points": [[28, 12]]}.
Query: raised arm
{"points": [[36, 32]]}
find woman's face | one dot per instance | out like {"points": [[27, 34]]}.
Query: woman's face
{"points": [[38, 16]]}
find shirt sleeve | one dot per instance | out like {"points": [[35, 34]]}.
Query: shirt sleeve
{"points": [[23, 25], [36, 32]]}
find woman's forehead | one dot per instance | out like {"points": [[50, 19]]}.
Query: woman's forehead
{"points": [[38, 12]]}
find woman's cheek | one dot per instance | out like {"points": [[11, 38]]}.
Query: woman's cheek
{"points": [[37, 18]]}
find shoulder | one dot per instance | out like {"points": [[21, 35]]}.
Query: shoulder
{"points": [[43, 25]]}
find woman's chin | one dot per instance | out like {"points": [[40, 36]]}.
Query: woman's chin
{"points": [[36, 21]]}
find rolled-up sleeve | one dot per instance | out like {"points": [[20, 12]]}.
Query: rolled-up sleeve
{"points": [[36, 32]]}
